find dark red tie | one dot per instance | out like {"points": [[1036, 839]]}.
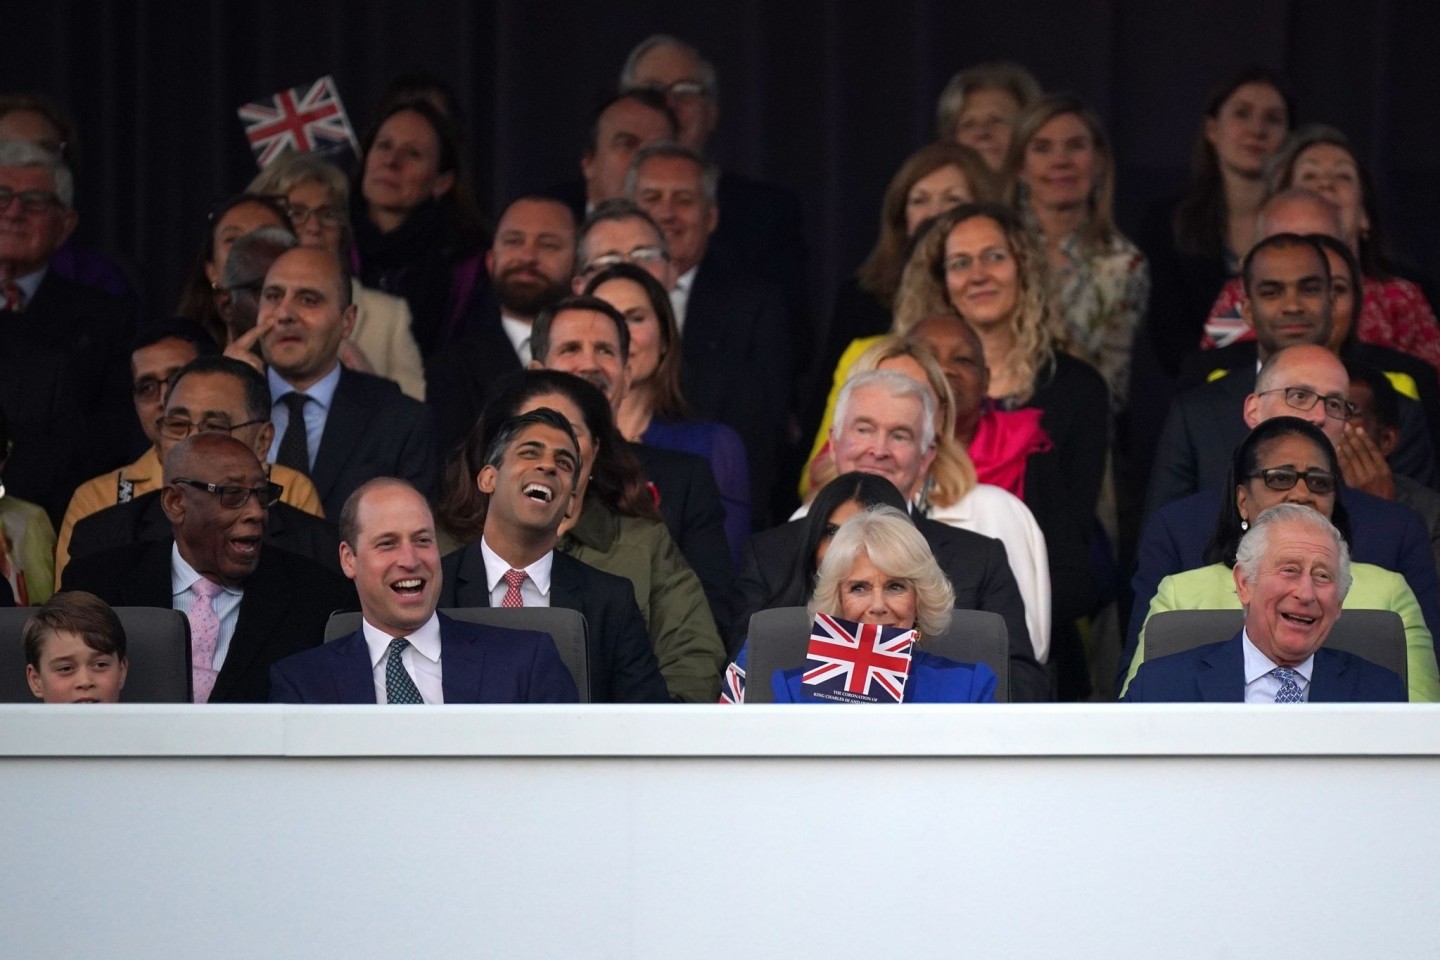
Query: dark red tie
{"points": [[513, 579], [13, 296]]}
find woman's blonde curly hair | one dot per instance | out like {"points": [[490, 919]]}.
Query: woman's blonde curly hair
{"points": [[923, 292]]}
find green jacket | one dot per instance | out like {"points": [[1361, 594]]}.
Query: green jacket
{"points": [[682, 629]]}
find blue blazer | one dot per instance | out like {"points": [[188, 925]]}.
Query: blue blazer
{"points": [[1216, 674], [1383, 532], [933, 679], [478, 664]]}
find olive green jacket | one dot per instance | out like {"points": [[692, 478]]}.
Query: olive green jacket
{"points": [[682, 629]]}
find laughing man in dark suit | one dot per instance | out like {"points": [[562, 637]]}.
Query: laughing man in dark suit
{"points": [[406, 651], [1292, 572], [529, 480], [259, 603]]}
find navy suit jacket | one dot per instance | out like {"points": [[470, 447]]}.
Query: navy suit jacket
{"points": [[458, 379], [1204, 427], [1382, 532], [1216, 674], [623, 668], [373, 430], [478, 664]]}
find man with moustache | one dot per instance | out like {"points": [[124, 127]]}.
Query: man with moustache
{"points": [[405, 650], [249, 605], [530, 263]]}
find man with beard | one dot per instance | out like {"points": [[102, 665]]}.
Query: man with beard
{"points": [[530, 264]]}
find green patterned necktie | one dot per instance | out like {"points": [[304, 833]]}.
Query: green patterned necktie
{"points": [[399, 688]]}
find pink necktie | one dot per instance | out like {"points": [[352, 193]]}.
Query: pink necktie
{"points": [[513, 578], [204, 636]]}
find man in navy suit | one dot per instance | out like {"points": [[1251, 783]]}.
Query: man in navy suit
{"points": [[405, 651], [1292, 571], [528, 482], [337, 426]]}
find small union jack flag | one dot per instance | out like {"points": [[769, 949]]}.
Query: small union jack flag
{"points": [[303, 120], [856, 662], [732, 684]]}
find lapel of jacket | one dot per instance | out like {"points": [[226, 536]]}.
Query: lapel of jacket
{"points": [[461, 663], [565, 585], [354, 677], [147, 584], [262, 612], [470, 584], [1328, 680], [1221, 674], [344, 426]]}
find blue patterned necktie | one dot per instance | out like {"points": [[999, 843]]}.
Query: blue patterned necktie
{"points": [[399, 688], [1289, 691]]}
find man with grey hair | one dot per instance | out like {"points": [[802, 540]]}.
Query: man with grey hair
{"points": [[760, 231], [64, 378], [885, 425], [244, 274], [618, 231], [1292, 572], [730, 318]]}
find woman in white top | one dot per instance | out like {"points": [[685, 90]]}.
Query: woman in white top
{"points": [[315, 193]]}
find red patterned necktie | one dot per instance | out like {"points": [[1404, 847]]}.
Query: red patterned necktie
{"points": [[513, 579]]}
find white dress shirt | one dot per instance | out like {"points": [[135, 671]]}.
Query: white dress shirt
{"points": [[519, 333], [421, 659], [680, 295], [322, 396], [535, 591], [1260, 685], [227, 602]]}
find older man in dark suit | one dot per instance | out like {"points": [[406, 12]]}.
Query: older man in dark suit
{"points": [[529, 479], [63, 359], [248, 605], [1292, 572], [340, 427]]}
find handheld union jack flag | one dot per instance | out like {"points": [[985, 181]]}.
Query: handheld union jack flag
{"points": [[856, 662], [303, 120]]}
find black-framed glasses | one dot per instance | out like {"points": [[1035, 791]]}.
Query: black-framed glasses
{"points": [[1336, 408], [176, 427], [31, 201], [235, 497], [1285, 478]]}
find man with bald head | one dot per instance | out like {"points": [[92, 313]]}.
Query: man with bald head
{"points": [[248, 604], [1287, 282], [338, 426], [1309, 382]]}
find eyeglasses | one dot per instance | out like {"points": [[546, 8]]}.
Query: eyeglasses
{"points": [[249, 286], [1336, 408], [148, 388], [680, 89], [175, 427], [31, 201], [300, 214], [640, 257], [233, 498], [964, 262], [1285, 478]]}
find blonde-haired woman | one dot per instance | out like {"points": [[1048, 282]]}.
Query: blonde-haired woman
{"points": [[1062, 176], [317, 197], [877, 568]]}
